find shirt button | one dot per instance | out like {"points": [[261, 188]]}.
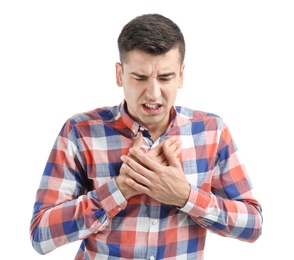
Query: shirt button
{"points": [[154, 222], [142, 128], [118, 209], [152, 257]]}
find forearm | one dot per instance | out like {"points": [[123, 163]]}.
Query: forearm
{"points": [[238, 219], [56, 225]]}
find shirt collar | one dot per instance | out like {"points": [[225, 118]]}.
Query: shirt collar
{"points": [[134, 126], [127, 120]]}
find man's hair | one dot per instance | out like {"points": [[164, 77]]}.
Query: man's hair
{"points": [[151, 33]]}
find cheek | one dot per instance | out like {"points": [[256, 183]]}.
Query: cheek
{"points": [[133, 91], [170, 94], [131, 95]]}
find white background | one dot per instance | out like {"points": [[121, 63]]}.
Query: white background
{"points": [[57, 59]]}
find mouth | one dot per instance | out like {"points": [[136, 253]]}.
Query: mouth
{"points": [[152, 108]]}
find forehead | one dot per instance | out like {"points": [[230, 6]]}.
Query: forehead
{"points": [[141, 61]]}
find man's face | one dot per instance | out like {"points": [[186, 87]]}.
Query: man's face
{"points": [[150, 85]]}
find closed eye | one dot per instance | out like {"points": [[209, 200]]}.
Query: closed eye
{"points": [[165, 79], [141, 78]]}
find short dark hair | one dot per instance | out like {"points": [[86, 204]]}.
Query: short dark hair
{"points": [[154, 34]]}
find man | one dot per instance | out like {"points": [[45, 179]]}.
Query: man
{"points": [[144, 179]]}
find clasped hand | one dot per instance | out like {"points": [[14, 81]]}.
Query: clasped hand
{"points": [[157, 173]]}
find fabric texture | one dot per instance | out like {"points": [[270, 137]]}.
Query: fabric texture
{"points": [[78, 198]]}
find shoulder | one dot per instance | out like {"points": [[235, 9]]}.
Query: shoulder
{"points": [[102, 114], [198, 119], [193, 114]]}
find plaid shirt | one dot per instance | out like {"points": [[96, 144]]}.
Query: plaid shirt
{"points": [[78, 198]]}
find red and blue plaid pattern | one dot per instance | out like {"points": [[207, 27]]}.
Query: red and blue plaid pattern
{"points": [[78, 198]]}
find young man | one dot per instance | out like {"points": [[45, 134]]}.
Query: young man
{"points": [[144, 179]]}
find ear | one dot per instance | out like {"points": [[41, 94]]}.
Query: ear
{"points": [[119, 74], [181, 79]]}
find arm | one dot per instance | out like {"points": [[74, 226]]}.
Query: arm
{"points": [[67, 207], [230, 209]]}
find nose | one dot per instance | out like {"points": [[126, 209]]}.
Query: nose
{"points": [[153, 91]]}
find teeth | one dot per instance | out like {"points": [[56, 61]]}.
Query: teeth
{"points": [[151, 106]]}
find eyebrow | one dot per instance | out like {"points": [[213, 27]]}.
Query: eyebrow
{"points": [[161, 75], [167, 74]]}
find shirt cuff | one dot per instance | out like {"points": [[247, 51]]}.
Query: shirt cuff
{"points": [[197, 203], [111, 199]]}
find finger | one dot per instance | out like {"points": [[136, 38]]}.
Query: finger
{"points": [[138, 141], [148, 162], [174, 145], [157, 157], [137, 186], [156, 151], [170, 140], [136, 171], [171, 156]]}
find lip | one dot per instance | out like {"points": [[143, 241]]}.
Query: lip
{"points": [[151, 110]]}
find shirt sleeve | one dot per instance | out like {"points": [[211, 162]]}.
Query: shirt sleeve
{"points": [[229, 208], [65, 208]]}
